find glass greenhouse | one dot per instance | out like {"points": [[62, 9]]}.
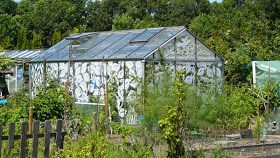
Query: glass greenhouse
{"points": [[86, 59], [18, 74]]}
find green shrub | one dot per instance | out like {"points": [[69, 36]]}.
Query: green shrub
{"points": [[50, 104], [16, 110]]}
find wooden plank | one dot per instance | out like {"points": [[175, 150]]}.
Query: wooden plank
{"points": [[23, 143], [1, 133], [47, 138], [58, 133], [36, 125], [28, 136], [12, 127]]}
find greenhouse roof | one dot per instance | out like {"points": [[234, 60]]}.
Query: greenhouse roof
{"points": [[111, 45], [24, 55]]}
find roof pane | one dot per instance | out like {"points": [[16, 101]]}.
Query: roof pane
{"points": [[53, 50], [80, 51], [101, 46], [124, 52], [60, 54], [22, 54], [79, 35], [146, 35], [93, 41], [155, 43], [115, 47]]}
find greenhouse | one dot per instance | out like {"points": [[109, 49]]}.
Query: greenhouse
{"points": [[87, 60], [17, 75]]}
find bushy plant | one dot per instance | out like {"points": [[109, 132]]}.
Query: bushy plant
{"points": [[218, 153], [95, 145], [16, 110], [50, 104]]}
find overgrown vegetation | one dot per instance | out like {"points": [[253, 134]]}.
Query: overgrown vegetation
{"points": [[50, 104], [240, 31]]}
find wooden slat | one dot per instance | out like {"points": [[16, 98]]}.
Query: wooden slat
{"points": [[11, 137], [47, 138], [58, 133], [1, 133], [23, 143], [36, 125], [28, 136]]}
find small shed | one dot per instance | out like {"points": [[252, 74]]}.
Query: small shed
{"points": [[86, 60], [18, 73]]}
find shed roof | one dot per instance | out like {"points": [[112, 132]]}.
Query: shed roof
{"points": [[110, 45], [22, 55], [135, 44]]}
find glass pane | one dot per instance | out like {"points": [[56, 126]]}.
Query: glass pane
{"points": [[34, 54], [153, 44], [79, 35], [93, 41], [60, 55], [146, 35], [53, 50], [204, 53], [16, 55], [114, 48], [80, 52], [125, 51], [101, 46]]}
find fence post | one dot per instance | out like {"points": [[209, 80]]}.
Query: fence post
{"points": [[23, 143], [35, 131], [58, 133], [1, 133], [47, 138], [11, 137]]}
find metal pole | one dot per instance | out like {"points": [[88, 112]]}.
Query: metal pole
{"points": [[254, 73], [67, 85], [44, 75], [106, 102], [268, 86], [16, 73], [30, 101]]}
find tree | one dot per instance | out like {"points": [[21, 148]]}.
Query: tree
{"points": [[238, 31], [178, 12], [56, 37], [25, 16], [8, 7], [7, 43], [8, 28], [100, 14], [36, 41], [51, 15], [123, 22], [22, 42]]}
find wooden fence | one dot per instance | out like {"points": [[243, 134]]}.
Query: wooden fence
{"points": [[47, 135]]}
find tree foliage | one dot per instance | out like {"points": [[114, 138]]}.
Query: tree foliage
{"points": [[240, 31]]}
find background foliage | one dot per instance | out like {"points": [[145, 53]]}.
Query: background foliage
{"points": [[240, 31]]}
